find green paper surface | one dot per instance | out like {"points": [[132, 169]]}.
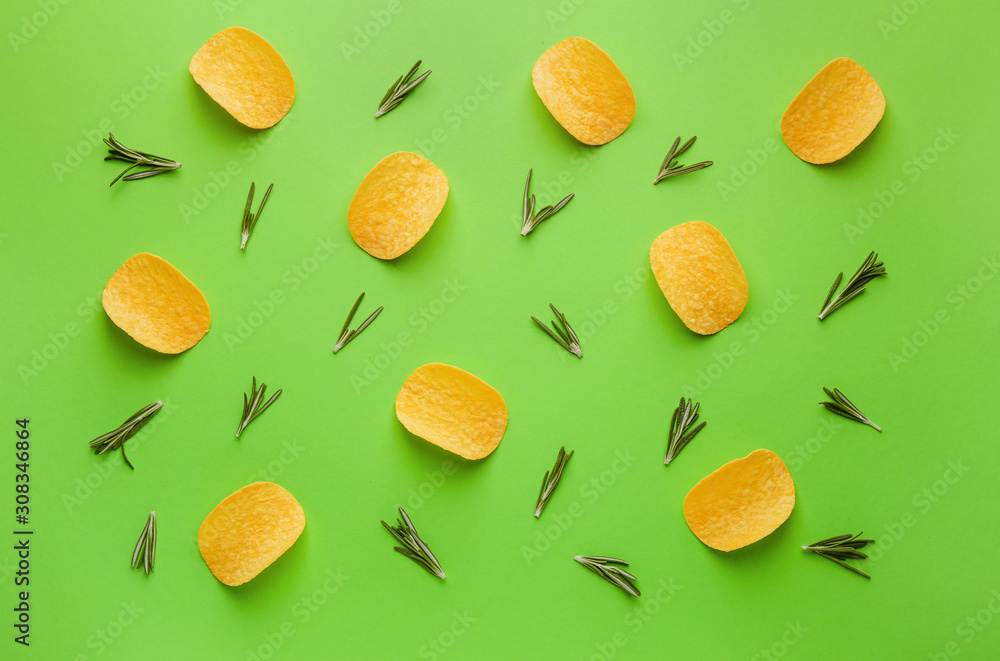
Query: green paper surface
{"points": [[917, 352]]}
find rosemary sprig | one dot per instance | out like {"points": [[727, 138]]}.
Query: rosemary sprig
{"points": [[551, 480], [250, 219], [346, 334], [670, 167], [872, 268], [843, 406], [563, 334], [530, 219], [412, 546], [116, 438], [146, 546], [139, 159], [681, 433], [252, 406], [840, 548], [605, 567], [400, 89]]}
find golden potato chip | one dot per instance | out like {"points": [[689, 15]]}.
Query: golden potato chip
{"points": [[742, 502], [396, 203], [152, 301], [249, 530], [452, 409], [246, 76], [584, 90], [833, 113], [700, 276]]}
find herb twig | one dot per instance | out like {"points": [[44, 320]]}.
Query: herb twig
{"points": [[146, 546], [551, 480], [605, 568], [412, 546], [139, 159], [840, 548], [670, 167], [346, 334], [116, 438], [530, 219], [252, 406], [563, 334], [250, 219], [843, 406], [400, 89], [681, 433], [872, 268]]}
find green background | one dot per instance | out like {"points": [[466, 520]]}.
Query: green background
{"points": [[917, 352]]}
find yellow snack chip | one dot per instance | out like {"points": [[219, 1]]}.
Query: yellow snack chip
{"points": [[249, 530], [452, 409], [700, 276], [833, 113], [584, 90], [396, 203], [246, 76], [742, 502], [152, 301]]}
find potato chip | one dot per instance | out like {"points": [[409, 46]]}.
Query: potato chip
{"points": [[396, 203], [152, 301], [246, 76], [742, 502], [833, 113], [584, 90], [249, 530], [700, 276], [452, 409]]}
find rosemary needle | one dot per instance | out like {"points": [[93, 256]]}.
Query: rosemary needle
{"points": [[670, 167], [563, 334], [551, 480], [400, 89], [413, 547], [530, 219], [840, 548], [252, 406], [116, 438], [146, 546], [605, 567], [346, 334], [843, 406], [250, 219], [681, 433], [139, 159], [870, 269]]}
